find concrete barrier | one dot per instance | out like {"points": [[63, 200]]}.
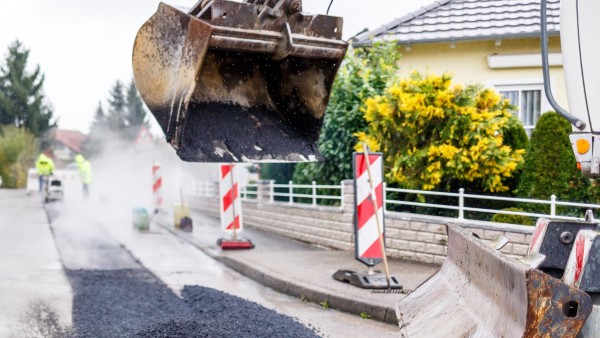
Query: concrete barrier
{"points": [[479, 292]]}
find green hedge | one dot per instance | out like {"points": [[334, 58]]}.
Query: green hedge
{"points": [[550, 167], [18, 149], [513, 219]]}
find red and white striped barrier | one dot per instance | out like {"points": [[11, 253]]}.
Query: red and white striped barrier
{"points": [[157, 186], [66, 176], [231, 205], [367, 244], [579, 264], [539, 233]]}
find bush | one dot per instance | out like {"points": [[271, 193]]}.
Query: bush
{"points": [[365, 72], [513, 219], [433, 133], [18, 149], [550, 166], [281, 173]]}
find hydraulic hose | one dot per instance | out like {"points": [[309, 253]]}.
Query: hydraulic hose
{"points": [[579, 124]]}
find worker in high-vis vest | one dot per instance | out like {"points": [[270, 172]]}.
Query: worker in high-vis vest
{"points": [[45, 167], [85, 173]]}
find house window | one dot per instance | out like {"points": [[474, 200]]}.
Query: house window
{"points": [[529, 100]]}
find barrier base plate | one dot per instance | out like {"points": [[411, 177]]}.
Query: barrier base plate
{"points": [[366, 280]]}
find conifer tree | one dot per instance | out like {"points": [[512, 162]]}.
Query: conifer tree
{"points": [[22, 101], [550, 166], [117, 110], [136, 112], [98, 131]]}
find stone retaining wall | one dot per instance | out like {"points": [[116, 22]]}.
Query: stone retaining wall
{"points": [[412, 237]]}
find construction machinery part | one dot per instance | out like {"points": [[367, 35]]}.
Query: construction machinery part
{"points": [[239, 81], [554, 239], [582, 271], [235, 244], [583, 267], [478, 292]]}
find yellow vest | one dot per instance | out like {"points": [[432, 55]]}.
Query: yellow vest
{"points": [[44, 165]]}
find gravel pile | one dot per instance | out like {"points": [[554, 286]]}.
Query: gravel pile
{"points": [[134, 303]]}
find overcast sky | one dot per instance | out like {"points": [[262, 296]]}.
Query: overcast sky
{"points": [[83, 47]]}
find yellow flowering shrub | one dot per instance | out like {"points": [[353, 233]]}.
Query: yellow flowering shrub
{"points": [[430, 130]]}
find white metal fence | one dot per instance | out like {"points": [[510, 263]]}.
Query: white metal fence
{"points": [[203, 188], [462, 204], [332, 195], [312, 194], [307, 193]]}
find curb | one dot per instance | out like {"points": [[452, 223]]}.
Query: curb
{"points": [[293, 288]]}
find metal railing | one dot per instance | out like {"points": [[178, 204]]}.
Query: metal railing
{"points": [[249, 192], [462, 199], [203, 188], [332, 195], [312, 194]]}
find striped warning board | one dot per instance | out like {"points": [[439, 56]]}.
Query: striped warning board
{"points": [[580, 265], [539, 233], [231, 206], [367, 244], [157, 186], [66, 176]]}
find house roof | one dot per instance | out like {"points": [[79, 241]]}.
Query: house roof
{"points": [[73, 139], [458, 20]]}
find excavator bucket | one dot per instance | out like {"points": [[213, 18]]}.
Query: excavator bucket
{"points": [[239, 81], [478, 292]]}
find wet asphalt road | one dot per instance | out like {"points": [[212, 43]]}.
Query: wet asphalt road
{"points": [[115, 296]]}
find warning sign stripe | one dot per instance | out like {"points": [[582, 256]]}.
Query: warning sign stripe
{"points": [[156, 186], [231, 206], [367, 237]]}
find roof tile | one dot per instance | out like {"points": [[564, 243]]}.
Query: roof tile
{"points": [[466, 20]]}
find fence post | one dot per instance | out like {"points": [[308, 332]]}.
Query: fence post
{"points": [[291, 191], [314, 193], [271, 191], [461, 203], [342, 195], [384, 197], [553, 205]]}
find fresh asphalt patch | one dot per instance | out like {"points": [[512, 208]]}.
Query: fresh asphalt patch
{"points": [[134, 303], [129, 301]]}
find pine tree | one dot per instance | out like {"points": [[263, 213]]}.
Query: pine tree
{"points": [[98, 132], [100, 119], [22, 102], [136, 113]]}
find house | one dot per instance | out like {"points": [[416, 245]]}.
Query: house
{"points": [[66, 145], [492, 42]]}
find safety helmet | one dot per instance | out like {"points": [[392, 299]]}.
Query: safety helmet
{"points": [[79, 159]]}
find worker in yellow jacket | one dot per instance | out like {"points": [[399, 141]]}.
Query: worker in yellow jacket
{"points": [[45, 167], [85, 173]]}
